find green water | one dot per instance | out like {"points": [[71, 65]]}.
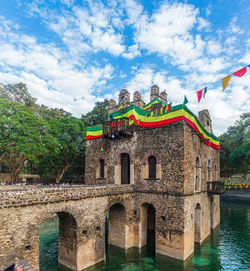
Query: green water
{"points": [[227, 248]]}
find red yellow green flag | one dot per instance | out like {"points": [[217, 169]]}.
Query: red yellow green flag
{"points": [[225, 81]]}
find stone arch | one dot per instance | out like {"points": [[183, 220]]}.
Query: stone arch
{"points": [[116, 222], [118, 156], [129, 166], [151, 153], [147, 168], [197, 223], [67, 235]]}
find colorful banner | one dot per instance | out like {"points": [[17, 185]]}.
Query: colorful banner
{"points": [[240, 72], [185, 100], [154, 101], [225, 81], [199, 95], [179, 112], [94, 132]]}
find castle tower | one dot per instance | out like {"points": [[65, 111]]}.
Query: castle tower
{"points": [[155, 93], [205, 119], [124, 97]]}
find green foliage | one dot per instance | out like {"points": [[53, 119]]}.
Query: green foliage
{"points": [[98, 115], [23, 136], [68, 132], [51, 113], [17, 93], [235, 147], [41, 140]]}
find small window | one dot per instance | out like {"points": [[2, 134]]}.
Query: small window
{"points": [[197, 174], [101, 168], [209, 163], [209, 169], [152, 167]]}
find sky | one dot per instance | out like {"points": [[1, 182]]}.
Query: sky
{"points": [[73, 53]]}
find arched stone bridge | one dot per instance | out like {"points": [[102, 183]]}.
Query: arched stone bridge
{"points": [[82, 212]]}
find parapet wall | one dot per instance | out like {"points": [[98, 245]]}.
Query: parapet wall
{"points": [[33, 195], [124, 99]]}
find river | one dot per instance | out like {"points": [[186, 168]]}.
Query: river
{"points": [[227, 248]]}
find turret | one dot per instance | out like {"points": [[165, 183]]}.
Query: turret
{"points": [[124, 97], [205, 120]]}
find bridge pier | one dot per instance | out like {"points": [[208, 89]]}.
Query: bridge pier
{"points": [[90, 252], [67, 249]]}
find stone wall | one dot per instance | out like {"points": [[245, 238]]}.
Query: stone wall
{"points": [[81, 212], [182, 210]]}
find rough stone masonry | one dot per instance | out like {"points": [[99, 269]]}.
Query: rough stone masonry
{"points": [[155, 179]]}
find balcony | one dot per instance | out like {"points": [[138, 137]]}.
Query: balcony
{"points": [[216, 187], [116, 129]]}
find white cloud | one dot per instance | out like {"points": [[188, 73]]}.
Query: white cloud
{"points": [[214, 47], [203, 24], [68, 70], [51, 76], [224, 107], [234, 28], [132, 52]]}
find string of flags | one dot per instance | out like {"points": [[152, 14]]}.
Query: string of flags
{"points": [[202, 92]]}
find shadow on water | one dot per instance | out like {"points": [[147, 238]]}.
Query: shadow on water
{"points": [[227, 248]]}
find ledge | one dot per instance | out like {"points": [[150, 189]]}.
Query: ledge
{"points": [[151, 179]]}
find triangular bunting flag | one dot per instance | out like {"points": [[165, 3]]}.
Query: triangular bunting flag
{"points": [[170, 107], [121, 107], [240, 72], [199, 95], [185, 100], [225, 81], [204, 91]]}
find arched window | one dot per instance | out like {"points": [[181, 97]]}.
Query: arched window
{"points": [[209, 169], [197, 174], [152, 167], [101, 166]]}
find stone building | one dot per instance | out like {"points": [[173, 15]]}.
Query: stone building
{"points": [[170, 167], [150, 171]]}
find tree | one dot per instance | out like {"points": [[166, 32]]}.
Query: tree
{"points": [[235, 146], [98, 115], [17, 93], [69, 133], [23, 136]]}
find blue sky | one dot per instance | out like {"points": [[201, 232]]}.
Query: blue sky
{"points": [[74, 53]]}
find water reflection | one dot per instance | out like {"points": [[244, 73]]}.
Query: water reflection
{"points": [[227, 248]]}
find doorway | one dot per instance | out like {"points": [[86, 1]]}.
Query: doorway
{"points": [[125, 168]]}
